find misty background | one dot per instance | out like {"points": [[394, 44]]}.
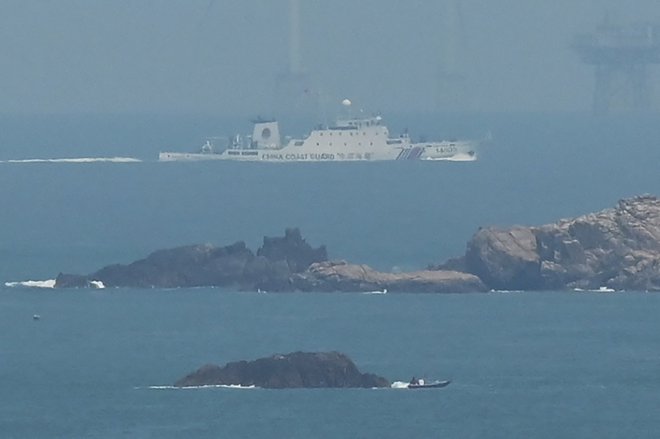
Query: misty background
{"points": [[223, 56], [132, 78]]}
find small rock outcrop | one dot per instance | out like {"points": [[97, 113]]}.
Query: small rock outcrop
{"points": [[615, 248], [342, 276], [294, 370]]}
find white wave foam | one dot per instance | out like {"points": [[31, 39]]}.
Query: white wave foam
{"points": [[50, 283], [210, 386], [77, 160], [96, 284], [599, 290], [395, 385], [383, 291]]}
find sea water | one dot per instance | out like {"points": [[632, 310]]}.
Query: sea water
{"points": [[546, 365], [99, 363]]}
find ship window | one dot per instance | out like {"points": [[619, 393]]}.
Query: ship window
{"points": [[330, 143], [317, 143], [340, 133], [320, 134], [371, 143], [344, 143], [364, 133]]}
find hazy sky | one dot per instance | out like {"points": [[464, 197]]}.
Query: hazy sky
{"points": [[223, 56]]}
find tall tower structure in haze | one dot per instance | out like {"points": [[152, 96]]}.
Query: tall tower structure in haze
{"points": [[621, 56], [294, 94], [451, 85]]}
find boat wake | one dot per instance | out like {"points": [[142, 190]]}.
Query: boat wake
{"points": [[50, 283], [77, 160], [400, 385]]}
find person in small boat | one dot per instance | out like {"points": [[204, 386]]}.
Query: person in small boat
{"points": [[414, 381]]}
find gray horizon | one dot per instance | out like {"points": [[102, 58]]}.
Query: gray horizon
{"points": [[224, 56]]}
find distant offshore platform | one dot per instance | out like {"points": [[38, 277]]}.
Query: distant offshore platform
{"points": [[622, 57]]}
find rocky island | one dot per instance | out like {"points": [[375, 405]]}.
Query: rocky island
{"points": [[294, 370], [617, 248], [207, 265], [285, 263]]}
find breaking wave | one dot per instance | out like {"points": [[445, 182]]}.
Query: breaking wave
{"points": [[77, 160], [598, 290], [383, 291], [211, 386], [394, 385], [96, 284], [50, 283]]}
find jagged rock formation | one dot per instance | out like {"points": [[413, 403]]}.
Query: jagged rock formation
{"points": [[207, 265], [285, 263], [294, 370], [292, 249], [616, 248], [342, 276]]}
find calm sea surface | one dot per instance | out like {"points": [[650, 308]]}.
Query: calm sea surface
{"points": [[549, 365], [543, 365]]}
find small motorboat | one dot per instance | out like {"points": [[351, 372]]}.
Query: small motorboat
{"points": [[420, 384]]}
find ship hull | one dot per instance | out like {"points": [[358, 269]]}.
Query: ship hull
{"points": [[465, 151]]}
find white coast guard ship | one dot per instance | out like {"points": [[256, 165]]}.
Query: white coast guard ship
{"points": [[350, 139]]}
